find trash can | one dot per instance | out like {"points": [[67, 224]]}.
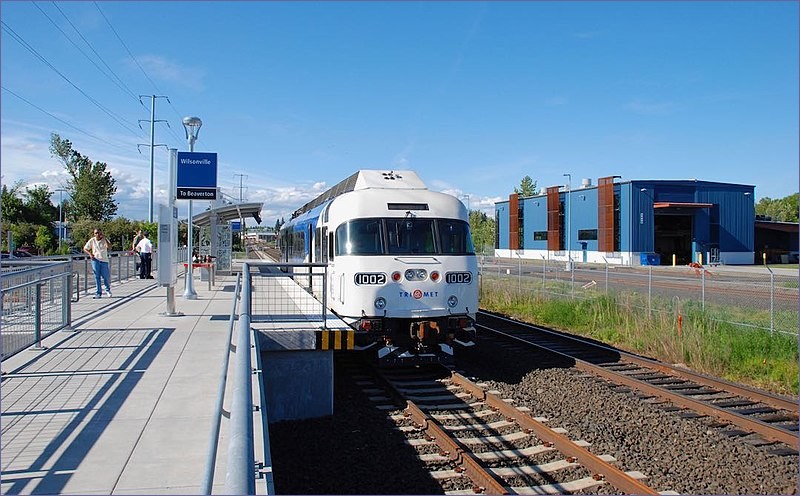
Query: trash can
{"points": [[204, 275]]}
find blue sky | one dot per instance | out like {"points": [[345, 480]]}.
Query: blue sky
{"points": [[473, 96]]}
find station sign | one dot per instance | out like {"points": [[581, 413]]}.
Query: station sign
{"points": [[196, 176], [236, 226]]}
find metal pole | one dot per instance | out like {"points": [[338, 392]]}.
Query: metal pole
{"points": [[703, 290], [37, 319], [240, 477], [649, 289], [189, 292], [771, 301], [152, 147]]}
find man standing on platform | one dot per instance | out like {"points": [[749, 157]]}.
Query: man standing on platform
{"points": [[136, 240], [97, 249], [145, 249]]}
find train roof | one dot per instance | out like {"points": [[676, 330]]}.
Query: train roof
{"points": [[367, 179]]}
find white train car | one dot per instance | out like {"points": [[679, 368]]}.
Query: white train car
{"points": [[401, 266]]}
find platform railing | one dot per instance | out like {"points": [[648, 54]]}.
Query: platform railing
{"points": [[36, 302], [240, 477], [211, 458]]}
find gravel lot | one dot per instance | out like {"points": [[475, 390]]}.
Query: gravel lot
{"points": [[357, 452]]}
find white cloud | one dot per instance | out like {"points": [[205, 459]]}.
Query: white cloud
{"points": [[163, 69]]}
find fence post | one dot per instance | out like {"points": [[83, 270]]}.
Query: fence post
{"points": [[771, 301], [703, 294], [544, 274], [68, 303], [649, 290], [37, 318]]}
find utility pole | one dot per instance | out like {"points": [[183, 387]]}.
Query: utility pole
{"points": [[241, 219], [152, 145]]}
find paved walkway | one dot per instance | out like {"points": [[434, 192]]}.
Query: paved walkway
{"points": [[124, 403]]}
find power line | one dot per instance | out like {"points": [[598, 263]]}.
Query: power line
{"points": [[180, 118], [118, 81], [27, 46], [126, 48], [62, 120]]}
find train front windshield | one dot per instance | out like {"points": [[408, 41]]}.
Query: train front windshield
{"points": [[409, 236]]}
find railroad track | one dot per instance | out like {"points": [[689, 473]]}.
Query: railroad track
{"points": [[474, 441], [756, 417]]}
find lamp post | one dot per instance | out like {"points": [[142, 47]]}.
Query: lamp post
{"points": [[60, 217], [192, 126]]}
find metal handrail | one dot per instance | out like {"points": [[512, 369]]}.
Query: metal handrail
{"points": [[240, 477], [211, 458]]}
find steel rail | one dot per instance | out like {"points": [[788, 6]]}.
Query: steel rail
{"points": [[240, 475], [769, 431], [457, 452], [562, 443]]}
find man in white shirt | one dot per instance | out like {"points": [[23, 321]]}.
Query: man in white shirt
{"points": [[145, 249]]}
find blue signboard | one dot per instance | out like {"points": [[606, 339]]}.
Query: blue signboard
{"points": [[236, 226], [197, 176]]}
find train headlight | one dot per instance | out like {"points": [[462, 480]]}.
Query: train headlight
{"points": [[396, 276], [380, 303], [434, 276], [416, 274], [452, 301]]}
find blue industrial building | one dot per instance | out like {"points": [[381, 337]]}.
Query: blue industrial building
{"points": [[647, 222]]}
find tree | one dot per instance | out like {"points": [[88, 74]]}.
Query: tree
{"points": [[12, 204], [781, 209], [527, 187], [90, 185], [482, 229], [46, 241], [37, 207]]}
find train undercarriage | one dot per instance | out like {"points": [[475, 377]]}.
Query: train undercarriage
{"points": [[406, 342]]}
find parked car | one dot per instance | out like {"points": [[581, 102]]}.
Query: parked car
{"points": [[22, 254]]}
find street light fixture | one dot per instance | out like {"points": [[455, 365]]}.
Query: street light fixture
{"points": [[192, 126]]}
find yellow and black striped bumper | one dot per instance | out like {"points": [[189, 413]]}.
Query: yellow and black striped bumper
{"points": [[335, 339]]}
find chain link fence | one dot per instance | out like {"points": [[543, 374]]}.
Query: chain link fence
{"points": [[751, 298]]}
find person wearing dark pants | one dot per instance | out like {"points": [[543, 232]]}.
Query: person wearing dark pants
{"points": [[145, 249]]}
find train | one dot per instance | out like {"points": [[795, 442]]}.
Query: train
{"points": [[401, 267]]}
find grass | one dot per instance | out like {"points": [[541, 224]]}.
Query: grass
{"points": [[703, 341]]}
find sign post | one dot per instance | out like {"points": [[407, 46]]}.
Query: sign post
{"points": [[197, 180]]}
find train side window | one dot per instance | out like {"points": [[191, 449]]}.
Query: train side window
{"points": [[330, 245]]}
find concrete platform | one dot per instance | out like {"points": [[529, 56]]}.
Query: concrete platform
{"points": [[124, 403]]}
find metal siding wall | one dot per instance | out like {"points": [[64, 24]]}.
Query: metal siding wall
{"points": [[553, 209], [502, 226], [605, 213], [513, 221], [535, 220], [584, 216], [631, 204], [736, 217]]}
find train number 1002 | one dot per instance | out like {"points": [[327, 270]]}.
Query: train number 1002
{"points": [[370, 278], [458, 277]]}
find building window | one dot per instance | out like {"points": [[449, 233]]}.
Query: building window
{"points": [[617, 222], [521, 224], [587, 234]]}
